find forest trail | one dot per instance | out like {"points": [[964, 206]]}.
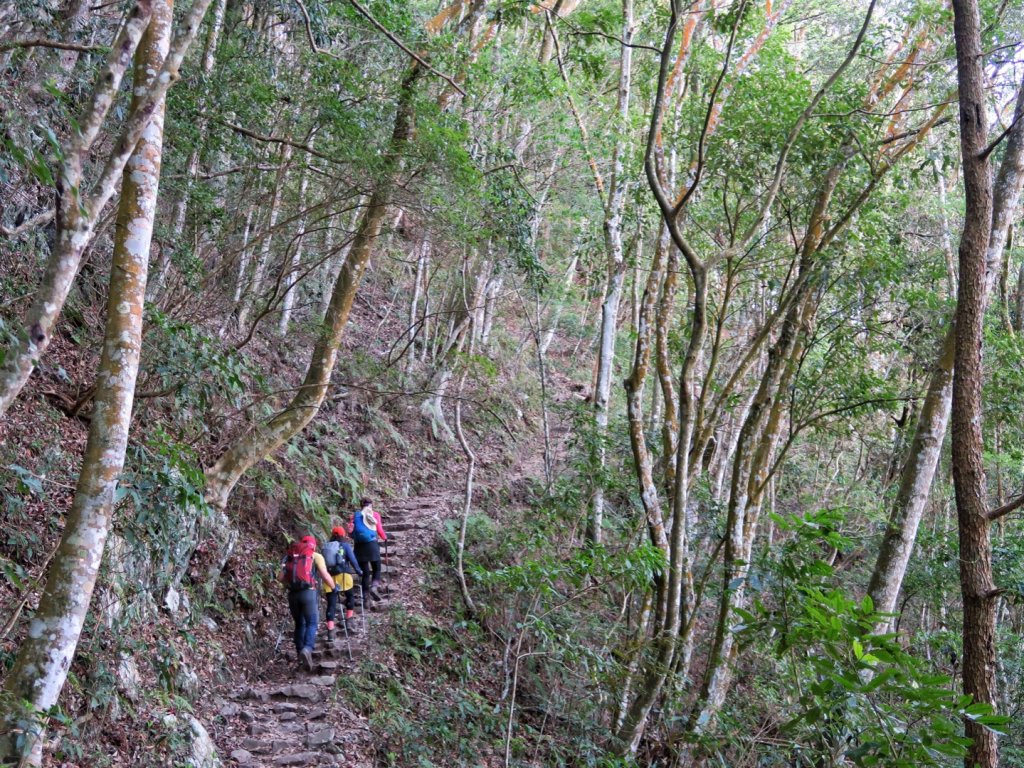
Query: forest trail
{"points": [[288, 716]]}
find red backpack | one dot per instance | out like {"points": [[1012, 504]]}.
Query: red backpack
{"points": [[298, 565]]}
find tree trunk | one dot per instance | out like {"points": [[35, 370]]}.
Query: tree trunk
{"points": [[291, 267], [976, 585], [39, 672], [461, 312], [467, 507], [1018, 319], [634, 385], [755, 448], [243, 258], [556, 312], [266, 438], [915, 485], [419, 280], [252, 295], [615, 278]]}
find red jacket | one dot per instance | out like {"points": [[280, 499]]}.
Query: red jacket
{"points": [[351, 524]]}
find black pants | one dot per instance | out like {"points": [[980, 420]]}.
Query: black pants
{"points": [[368, 555], [333, 597]]}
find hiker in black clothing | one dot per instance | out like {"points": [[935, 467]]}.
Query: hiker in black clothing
{"points": [[300, 572], [342, 565], [367, 532]]}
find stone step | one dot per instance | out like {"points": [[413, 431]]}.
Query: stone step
{"points": [[298, 758], [257, 746], [320, 737], [414, 502], [400, 527]]}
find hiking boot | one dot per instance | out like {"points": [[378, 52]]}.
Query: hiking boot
{"points": [[307, 659], [349, 614], [374, 593]]}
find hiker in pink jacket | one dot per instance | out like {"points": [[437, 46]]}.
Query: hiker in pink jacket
{"points": [[367, 533]]}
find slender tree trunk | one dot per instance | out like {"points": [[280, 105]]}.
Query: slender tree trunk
{"points": [[976, 584], [292, 266], [1018, 319], [255, 446], [414, 304], [679, 576], [243, 258], [556, 312], [333, 265], [615, 278], [757, 443], [756, 446], [467, 506], [634, 385], [915, 484], [252, 295], [1004, 285], [74, 225], [461, 313], [490, 309], [39, 672], [947, 241], [542, 373], [649, 494], [662, 356]]}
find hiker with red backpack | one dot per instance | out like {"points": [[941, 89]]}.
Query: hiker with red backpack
{"points": [[300, 572], [343, 566], [367, 533]]}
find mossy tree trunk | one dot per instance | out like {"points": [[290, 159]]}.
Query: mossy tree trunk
{"points": [[41, 668]]}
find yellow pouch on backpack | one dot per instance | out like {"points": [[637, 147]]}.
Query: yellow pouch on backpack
{"points": [[344, 581]]}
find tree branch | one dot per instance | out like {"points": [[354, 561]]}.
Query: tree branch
{"points": [[38, 220], [309, 32], [619, 40], [394, 39], [276, 140], [988, 150], [1007, 508], [60, 45]]}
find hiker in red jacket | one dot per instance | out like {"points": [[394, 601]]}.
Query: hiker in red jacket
{"points": [[367, 533], [300, 572]]}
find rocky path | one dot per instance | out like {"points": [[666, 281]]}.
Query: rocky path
{"points": [[289, 716]]}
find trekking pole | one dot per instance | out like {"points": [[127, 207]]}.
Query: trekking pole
{"points": [[280, 635], [387, 571], [348, 639], [362, 610]]}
